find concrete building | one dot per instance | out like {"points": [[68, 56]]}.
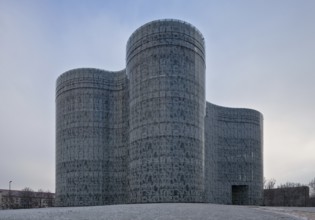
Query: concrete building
{"points": [[233, 149], [146, 134], [289, 196]]}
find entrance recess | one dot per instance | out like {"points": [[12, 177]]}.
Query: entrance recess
{"points": [[240, 194]]}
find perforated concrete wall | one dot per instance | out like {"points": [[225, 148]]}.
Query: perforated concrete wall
{"points": [[91, 137], [166, 69], [234, 155], [142, 134]]}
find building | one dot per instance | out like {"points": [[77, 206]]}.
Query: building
{"points": [[288, 196], [233, 149], [21, 199], [146, 134]]}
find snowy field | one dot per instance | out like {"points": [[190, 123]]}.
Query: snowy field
{"points": [[159, 212]]}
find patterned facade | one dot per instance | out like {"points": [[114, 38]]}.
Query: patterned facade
{"points": [[166, 70], [234, 157], [91, 137], [145, 134]]}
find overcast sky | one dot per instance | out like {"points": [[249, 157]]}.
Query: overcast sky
{"points": [[260, 55]]}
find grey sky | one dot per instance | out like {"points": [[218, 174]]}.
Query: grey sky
{"points": [[260, 54]]}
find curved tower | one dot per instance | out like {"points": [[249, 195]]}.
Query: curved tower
{"points": [[91, 137], [234, 155], [165, 64]]}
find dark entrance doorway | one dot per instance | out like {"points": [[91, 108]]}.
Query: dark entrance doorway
{"points": [[240, 194]]}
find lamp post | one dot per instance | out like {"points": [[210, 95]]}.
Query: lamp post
{"points": [[10, 194]]}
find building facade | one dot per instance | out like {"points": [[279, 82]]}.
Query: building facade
{"points": [[288, 196], [233, 149], [146, 133], [24, 199]]}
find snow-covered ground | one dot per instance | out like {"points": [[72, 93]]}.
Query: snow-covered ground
{"points": [[193, 211], [301, 212]]}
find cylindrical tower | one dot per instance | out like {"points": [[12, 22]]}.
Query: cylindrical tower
{"points": [[166, 71], [90, 133]]}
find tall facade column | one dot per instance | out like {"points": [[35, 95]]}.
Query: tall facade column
{"points": [[166, 71], [234, 155], [91, 137]]}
